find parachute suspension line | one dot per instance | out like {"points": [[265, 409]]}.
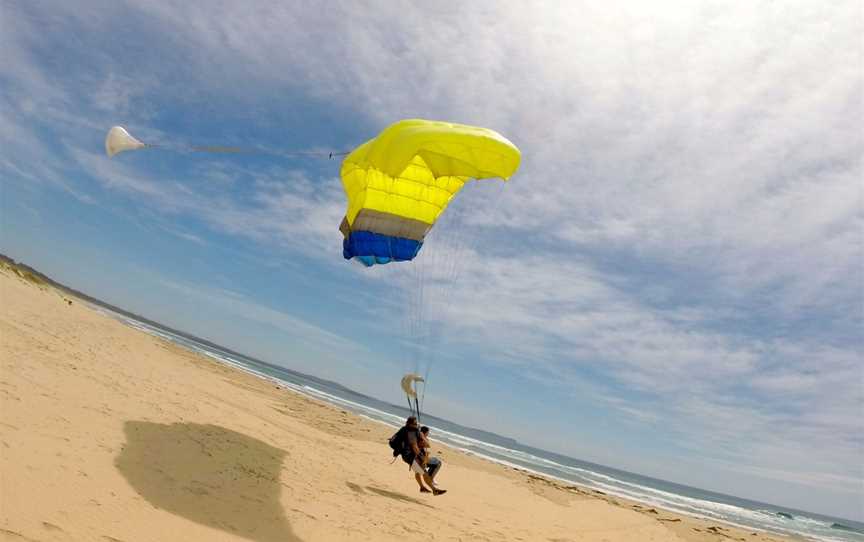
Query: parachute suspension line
{"points": [[221, 149], [431, 266], [425, 379], [415, 286], [405, 287], [406, 280], [422, 314], [455, 241], [437, 263], [398, 156], [414, 408], [408, 319], [423, 353]]}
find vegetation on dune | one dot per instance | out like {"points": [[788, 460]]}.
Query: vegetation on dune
{"points": [[24, 271], [30, 275]]}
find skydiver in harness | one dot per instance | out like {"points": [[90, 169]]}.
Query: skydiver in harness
{"points": [[433, 464], [411, 443], [415, 453]]}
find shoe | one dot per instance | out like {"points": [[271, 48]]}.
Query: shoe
{"points": [[424, 490], [437, 492]]}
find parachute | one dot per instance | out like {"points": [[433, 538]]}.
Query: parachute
{"points": [[119, 140], [397, 186], [398, 183]]}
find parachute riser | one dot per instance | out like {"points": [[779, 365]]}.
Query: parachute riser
{"points": [[413, 407]]}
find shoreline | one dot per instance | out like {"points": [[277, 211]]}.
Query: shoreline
{"points": [[603, 494], [132, 387]]}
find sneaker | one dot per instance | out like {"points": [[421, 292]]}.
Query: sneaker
{"points": [[424, 490], [437, 492]]}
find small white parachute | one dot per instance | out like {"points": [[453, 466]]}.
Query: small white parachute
{"points": [[119, 140]]}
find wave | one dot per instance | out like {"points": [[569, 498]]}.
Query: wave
{"points": [[841, 527]]}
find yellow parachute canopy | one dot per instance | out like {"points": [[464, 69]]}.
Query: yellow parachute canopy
{"points": [[398, 183]]}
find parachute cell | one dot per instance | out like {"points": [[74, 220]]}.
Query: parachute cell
{"points": [[398, 183]]}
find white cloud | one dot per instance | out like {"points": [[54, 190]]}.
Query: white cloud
{"points": [[686, 223], [722, 136]]}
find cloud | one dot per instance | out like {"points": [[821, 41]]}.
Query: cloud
{"points": [[683, 239], [281, 206], [723, 393], [719, 139]]}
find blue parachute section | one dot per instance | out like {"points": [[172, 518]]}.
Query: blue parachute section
{"points": [[374, 248]]}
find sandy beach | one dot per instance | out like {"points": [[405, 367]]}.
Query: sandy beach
{"points": [[109, 434]]}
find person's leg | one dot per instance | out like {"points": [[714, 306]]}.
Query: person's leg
{"points": [[418, 473], [433, 466], [435, 489], [429, 475]]}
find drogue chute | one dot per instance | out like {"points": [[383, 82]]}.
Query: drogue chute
{"points": [[119, 140]]}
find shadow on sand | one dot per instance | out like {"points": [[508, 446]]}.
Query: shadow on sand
{"points": [[209, 475], [385, 493]]}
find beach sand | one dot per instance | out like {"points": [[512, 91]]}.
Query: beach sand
{"points": [[109, 434]]}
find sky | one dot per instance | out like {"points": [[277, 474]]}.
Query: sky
{"points": [[671, 284]]}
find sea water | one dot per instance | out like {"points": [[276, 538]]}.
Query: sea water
{"points": [[649, 491]]}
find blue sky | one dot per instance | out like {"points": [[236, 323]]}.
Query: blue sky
{"points": [[671, 284]]}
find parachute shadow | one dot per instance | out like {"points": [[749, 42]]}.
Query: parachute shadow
{"points": [[385, 493], [208, 474]]}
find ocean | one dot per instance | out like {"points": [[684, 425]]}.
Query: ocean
{"points": [[649, 491]]}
